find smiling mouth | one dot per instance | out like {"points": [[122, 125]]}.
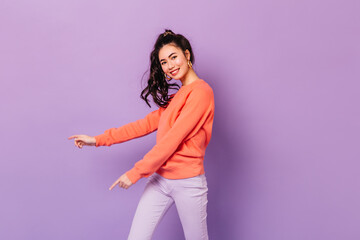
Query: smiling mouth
{"points": [[175, 71]]}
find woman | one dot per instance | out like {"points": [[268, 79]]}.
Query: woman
{"points": [[174, 166]]}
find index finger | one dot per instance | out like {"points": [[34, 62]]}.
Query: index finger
{"points": [[115, 183], [73, 136]]}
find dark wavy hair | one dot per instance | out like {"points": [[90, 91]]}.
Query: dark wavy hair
{"points": [[158, 86]]}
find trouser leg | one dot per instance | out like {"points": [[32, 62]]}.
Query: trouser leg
{"points": [[190, 196], [153, 205]]}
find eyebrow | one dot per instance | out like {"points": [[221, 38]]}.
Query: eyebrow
{"points": [[169, 56]]}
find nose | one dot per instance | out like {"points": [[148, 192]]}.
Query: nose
{"points": [[171, 65]]}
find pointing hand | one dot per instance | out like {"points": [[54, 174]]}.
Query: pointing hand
{"points": [[83, 140], [123, 182]]}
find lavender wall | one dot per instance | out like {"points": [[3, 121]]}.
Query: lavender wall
{"points": [[283, 162]]}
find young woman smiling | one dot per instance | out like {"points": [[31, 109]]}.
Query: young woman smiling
{"points": [[174, 166]]}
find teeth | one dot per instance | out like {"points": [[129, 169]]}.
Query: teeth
{"points": [[174, 71]]}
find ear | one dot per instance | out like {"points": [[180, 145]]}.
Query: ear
{"points": [[187, 54]]}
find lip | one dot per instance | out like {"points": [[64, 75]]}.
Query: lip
{"points": [[175, 71]]}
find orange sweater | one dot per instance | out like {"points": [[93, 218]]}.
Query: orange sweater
{"points": [[183, 133]]}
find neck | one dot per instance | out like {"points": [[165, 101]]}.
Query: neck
{"points": [[189, 77]]}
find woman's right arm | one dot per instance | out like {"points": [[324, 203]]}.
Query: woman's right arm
{"points": [[131, 130]]}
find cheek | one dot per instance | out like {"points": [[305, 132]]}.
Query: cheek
{"points": [[163, 67], [179, 62]]}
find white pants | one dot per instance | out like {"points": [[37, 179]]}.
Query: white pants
{"points": [[190, 198]]}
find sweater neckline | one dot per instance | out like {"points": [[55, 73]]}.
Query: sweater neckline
{"points": [[190, 84]]}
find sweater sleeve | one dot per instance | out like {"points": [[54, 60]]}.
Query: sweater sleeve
{"points": [[131, 130], [196, 109]]}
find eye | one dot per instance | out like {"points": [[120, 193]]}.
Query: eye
{"points": [[173, 57]]}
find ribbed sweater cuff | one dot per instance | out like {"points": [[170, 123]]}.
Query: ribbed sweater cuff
{"points": [[133, 175], [98, 141]]}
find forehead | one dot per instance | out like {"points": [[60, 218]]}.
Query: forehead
{"points": [[166, 50]]}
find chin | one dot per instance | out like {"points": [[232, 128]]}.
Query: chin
{"points": [[179, 77]]}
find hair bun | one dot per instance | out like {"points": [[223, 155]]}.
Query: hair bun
{"points": [[168, 32]]}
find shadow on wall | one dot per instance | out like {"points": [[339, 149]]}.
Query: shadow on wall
{"points": [[225, 163]]}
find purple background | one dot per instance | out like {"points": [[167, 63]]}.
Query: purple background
{"points": [[283, 162]]}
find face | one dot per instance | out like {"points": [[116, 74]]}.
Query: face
{"points": [[173, 61]]}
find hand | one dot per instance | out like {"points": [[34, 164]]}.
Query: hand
{"points": [[83, 140], [123, 182]]}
